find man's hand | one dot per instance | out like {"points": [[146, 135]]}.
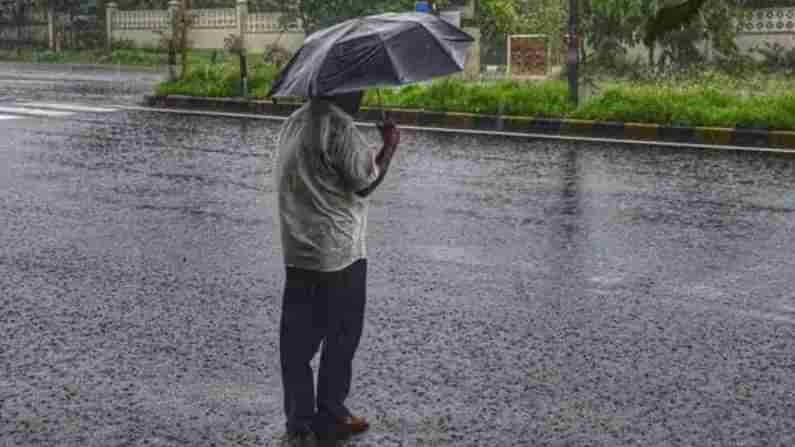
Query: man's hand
{"points": [[391, 136]]}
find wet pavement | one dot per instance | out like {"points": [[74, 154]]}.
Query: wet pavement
{"points": [[85, 84], [521, 292]]}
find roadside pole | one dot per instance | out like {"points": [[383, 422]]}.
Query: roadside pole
{"points": [[173, 17], [573, 53], [242, 18]]}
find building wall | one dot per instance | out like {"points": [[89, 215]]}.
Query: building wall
{"points": [[770, 25]]}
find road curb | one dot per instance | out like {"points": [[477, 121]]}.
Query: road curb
{"points": [[717, 136]]}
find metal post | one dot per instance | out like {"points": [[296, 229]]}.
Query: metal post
{"points": [[111, 9], [242, 18], [173, 16], [51, 27], [574, 53]]}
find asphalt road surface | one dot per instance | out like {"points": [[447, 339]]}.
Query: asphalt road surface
{"points": [[521, 293]]}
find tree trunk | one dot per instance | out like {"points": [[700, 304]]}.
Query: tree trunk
{"points": [[651, 54], [243, 74]]}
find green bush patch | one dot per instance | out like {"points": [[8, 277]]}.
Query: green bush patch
{"points": [[220, 80], [547, 98], [694, 105], [711, 99]]}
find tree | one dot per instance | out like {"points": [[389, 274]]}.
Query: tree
{"points": [[499, 18], [176, 40], [612, 25], [677, 14], [680, 23], [676, 26], [16, 14]]}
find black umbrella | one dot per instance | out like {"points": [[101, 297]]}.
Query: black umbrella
{"points": [[376, 51]]}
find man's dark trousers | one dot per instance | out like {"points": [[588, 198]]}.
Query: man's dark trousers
{"points": [[327, 307]]}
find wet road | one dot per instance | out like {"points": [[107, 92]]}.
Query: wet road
{"points": [[77, 83], [522, 293]]}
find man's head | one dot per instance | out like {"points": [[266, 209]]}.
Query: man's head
{"points": [[348, 102]]}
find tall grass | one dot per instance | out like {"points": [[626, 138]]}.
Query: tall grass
{"points": [[711, 99], [220, 80], [502, 97], [692, 104]]}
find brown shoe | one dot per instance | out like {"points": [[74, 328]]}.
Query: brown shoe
{"points": [[355, 425], [341, 430]]}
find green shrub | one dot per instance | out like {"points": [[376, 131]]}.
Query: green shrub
{"points": [[124, 44], [48, 56], [546, 98], [710, 98], [691, 105], [131, 57], [220, 80]]}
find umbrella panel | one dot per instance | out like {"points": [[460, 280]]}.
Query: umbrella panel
{"points": [[355, 65], [419, 56]]}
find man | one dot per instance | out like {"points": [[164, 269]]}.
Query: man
{"points": [[324, 174]]}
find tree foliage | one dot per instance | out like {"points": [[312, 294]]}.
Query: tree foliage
{"points": [[612, 25], [14, 11], [497, 19], [676, 26], [675, 16]]}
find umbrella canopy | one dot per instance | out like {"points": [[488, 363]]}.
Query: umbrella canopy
{"points": [[375, 51]]}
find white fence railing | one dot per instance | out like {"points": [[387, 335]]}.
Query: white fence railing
{"points": [[210, 28], [214, 18], [269, 23], [140, 20]]}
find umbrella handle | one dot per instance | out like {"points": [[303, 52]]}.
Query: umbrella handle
{"points": [[384, 113]]}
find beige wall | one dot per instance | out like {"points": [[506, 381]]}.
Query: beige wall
{"points": [[472, 69], [142, 38], [256, 42], [211, 38], [747, 42]]}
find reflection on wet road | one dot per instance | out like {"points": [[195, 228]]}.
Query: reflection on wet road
{"points": [[521, 292]]}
